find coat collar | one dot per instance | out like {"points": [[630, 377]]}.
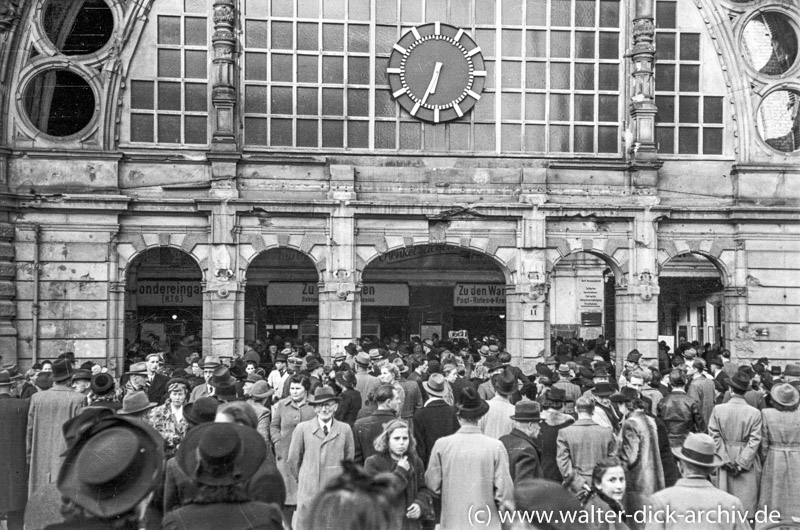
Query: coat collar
{"points": [[333, 433], [521, 435], [470, 429], [585, 421], [694, 483]]}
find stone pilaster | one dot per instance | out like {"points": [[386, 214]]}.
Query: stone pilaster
{"points": [[642, 106], [8, 290], [223, 94]]}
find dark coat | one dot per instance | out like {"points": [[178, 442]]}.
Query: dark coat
{"points": [[414, 481], [365, 430], [458, 385], [523, 456], [668, 463], [13, 469], [230, 516], [157, 389], [548, 438], [681, 415], [431, 422], [349, 406]]}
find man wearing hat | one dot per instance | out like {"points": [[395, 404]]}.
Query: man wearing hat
{"points": [[412, 401], [694, 495], [680, 413], [791, 374], [469, 479], [13, 468], [572, 390], [135, 379], [435, 419], [223, 384], [604, 412], [735, 427], [520, 443], [493, 366], [497, 422], [366, 383], [278, 376], [720, 378], [81, 381], [317, 449], [347, 412], [49, 410], [210, 363]]}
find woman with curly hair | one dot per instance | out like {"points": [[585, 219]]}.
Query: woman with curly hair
{"points": [[168, 418], [396, 454]]}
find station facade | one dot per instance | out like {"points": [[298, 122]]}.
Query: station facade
{"points": [[246, 169]]}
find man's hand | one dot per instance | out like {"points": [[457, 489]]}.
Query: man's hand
{"points": [[413, 511]]}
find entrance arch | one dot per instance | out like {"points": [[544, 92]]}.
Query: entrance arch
{"points": [[281, 297], [163, 303], [433, 288]]}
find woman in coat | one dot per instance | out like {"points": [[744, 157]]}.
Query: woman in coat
{"points": [[608, 492], [168, 419], [780, 451], [286, 415], [396, 454]]}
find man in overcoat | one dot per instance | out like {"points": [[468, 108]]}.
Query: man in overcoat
{"points": [[467, 480], [523, 451], [736, 429], [13, 470], [435, 420], [701, 388], [49, 410], [318, 447]]}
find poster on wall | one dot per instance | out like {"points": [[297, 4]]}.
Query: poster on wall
{"points": [[590, 295], [427, 331]]}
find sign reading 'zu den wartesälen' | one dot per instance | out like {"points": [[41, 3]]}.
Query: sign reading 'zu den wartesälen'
{"points": [[479, 295]]}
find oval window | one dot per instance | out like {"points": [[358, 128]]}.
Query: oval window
{"points": [[59, 102], [78, 27], [779, 120], [769, 43]]}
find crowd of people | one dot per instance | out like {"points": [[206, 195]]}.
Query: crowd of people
{"points": [[406, 435]]}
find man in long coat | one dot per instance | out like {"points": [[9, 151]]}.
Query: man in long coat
{"points": [[13, 470], [473, 478], [49, 410], [736, 429], [318, 447], [435, 420]]}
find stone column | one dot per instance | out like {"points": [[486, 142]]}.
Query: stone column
{"points": [[8, 289], [642, 106], [527, 324], [738, 336], [223, 90], [224, 299]]}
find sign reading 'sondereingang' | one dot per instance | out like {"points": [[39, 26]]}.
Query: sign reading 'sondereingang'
{"points": [[168, 293]]}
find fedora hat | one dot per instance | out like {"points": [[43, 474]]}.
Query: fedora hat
{"points": [[102, 384], [362, 359], [401, 366], [5, 378], [435, 385], [550, 360], [563, 369], [633, 356], [261, 390], [62, 370], [221, 377], [558, 394], [82, 375], [281, 358], [193, 358], [699, 449], [740, 381], [471, 406], [785, 394], [792, 370], [237, 371], [107, 472], [137, 369], [134, 403], [203, 410], [312, 364], [339, 356], [505, 384], [484, 350], [253, 378], [13, 372], [527, 411], [491, 363], [602, 389], [716, 360], [221, 454], [44, 380], [322, 395], [346, 379], [625, 395], [210, 361]]}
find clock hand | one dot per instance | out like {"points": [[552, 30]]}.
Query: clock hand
{"points": [[434, 82]]}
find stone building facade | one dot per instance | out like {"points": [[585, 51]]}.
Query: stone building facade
{"points": [[637, 133]]}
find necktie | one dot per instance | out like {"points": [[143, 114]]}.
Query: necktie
{"points": [[325, 430]]}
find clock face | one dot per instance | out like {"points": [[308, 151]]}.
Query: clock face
{"points": [[436, 72]]}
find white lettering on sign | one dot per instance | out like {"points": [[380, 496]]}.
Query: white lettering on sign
{"points": [[168, 293], [479, 295], [456, 335], [307, 294]]}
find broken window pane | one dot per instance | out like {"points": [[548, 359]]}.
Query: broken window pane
{"points": [[779, 120], [78, 27], [59, 102], [770, 43]]}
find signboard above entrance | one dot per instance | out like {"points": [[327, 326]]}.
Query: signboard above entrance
{"points": [[479, 295], [168, 293], [372, 294]]}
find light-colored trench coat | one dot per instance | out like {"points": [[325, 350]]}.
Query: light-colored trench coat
{"points": [[314, 459], [736, 429], [286, 415], [780, 451]]}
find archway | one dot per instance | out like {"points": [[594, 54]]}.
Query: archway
{"points": [[583, 301], [164, 304], [433, 289], [691, 301], [281, 300]]}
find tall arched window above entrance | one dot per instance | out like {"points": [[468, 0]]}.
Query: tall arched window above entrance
{"points": [[164, 305]]}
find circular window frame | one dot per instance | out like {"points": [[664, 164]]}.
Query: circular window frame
{"points": [[27, 77], [793, 15], [762, 95], [46, 46]]}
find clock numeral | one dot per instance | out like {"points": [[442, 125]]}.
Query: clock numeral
{"points": [[415, 109], [437, 28], [459, 35], [400, 49], [473, 95], [400, 71], [400, 92], [416, 33], [473, 51], [476, 73], [458, 110], [435, 115]]}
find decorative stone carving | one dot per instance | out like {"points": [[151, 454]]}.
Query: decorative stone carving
{"points": [[646, 286], [223, 91], [9, 12], [643, 108]]}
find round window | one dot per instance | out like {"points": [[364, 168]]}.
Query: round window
{"points": [[78, 27], [769, 43], [779, 120], [59, 102]]}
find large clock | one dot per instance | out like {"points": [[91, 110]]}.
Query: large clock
{"points": [[436, 72]]}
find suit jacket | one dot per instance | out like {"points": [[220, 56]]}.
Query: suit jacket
{"points": [[523, 456], [579, 447], [365, 430], [315, 459], [468, 479], [365, 385], [691, 496], [435, 420], [13, 469], [413, 400], [198, 392], [157, 388]]}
